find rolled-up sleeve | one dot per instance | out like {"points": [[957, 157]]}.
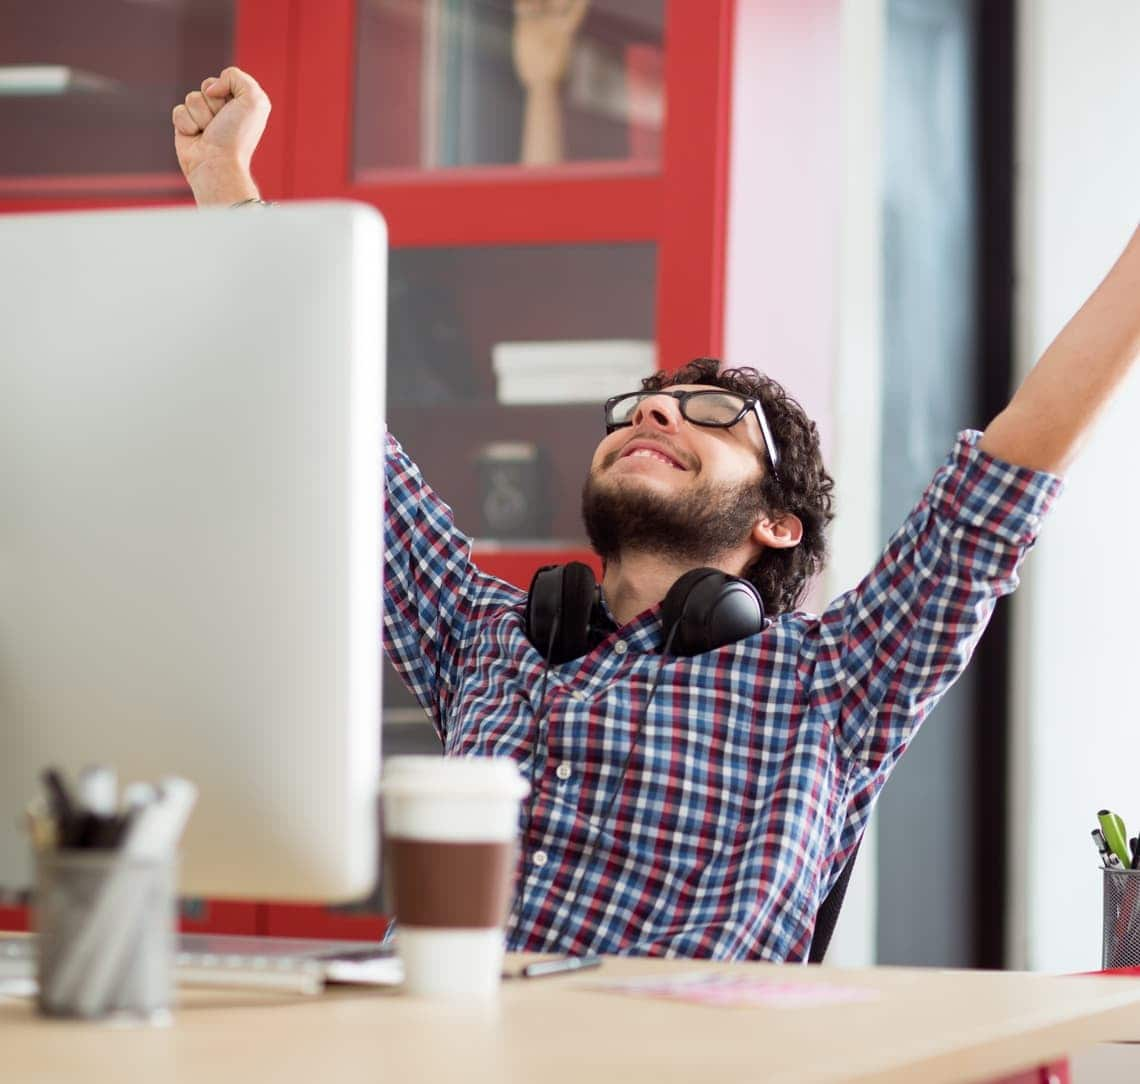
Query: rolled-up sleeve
{"points": [[884, 653], [432, 590]]}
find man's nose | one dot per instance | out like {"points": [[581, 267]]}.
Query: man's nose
{"points": [[659, 412]]}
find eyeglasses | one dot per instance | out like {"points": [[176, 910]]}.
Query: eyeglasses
{"points": [[709, 407]]}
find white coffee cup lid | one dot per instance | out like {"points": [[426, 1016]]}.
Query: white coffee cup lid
{"points": [[456, 776]]}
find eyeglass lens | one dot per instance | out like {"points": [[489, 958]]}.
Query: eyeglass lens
{"points": [[708, 408]]}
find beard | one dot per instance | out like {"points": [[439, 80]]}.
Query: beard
{"points": [[695, 528]]}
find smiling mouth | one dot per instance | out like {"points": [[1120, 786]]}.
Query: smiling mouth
{"points": [[643, 451]]}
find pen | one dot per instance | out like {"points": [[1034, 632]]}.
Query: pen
{"points": [[96, 790], [41, 826], [559, 966], [62, 807], [1108, 859], [1115, 835]]}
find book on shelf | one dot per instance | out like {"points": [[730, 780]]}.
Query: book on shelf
{"points": [[570, 371], [627, 87], [430, 83], [471, 109], [34, 80], [645, 82]]}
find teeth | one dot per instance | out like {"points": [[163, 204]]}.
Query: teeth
{"points": [[647, 453]]}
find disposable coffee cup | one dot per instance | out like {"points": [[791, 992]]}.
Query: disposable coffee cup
{"points": [[451, 840]]}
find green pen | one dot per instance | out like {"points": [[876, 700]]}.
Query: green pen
{"points": [[1115, 836]]}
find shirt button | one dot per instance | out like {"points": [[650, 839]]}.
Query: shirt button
{"points": [[620, 647], [540, 858], [563, 771], [577, 694]]}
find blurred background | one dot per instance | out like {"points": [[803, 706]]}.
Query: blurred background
{"points": [[891, 206]]}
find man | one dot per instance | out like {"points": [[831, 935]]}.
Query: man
{"points": [[703, 805]]}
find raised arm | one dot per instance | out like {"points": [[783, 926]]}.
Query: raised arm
{"points": [[216, 131], [1051, 413]]}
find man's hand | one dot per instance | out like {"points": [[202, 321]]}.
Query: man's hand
{"points": [[216, 131], [1051, 415], [543, 39]]}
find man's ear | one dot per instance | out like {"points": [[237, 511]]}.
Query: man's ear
{"points": [[780, 534]]}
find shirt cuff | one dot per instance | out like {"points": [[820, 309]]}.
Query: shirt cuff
{"points": [[980, 491]]}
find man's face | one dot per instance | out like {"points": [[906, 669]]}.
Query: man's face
{"points": [[663, 450], [666, 485]]}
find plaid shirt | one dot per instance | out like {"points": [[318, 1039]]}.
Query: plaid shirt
{"points": [[758, 764]]}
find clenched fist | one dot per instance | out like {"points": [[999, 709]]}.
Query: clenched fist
{"points": [[216, 131], [544, 38]]}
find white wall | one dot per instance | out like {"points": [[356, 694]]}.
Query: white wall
{"points": [[804, 272], [781, 289], [857, 389], [1077, 741]]}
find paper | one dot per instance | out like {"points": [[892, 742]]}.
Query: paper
{"points": [[388, 971], [722, 990], [18, 987]]}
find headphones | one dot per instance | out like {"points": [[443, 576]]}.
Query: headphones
{"points": [[705, 609], [565, 619]]}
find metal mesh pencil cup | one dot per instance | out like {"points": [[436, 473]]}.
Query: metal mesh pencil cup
{"points": [[1121, 933], [106, 935]]}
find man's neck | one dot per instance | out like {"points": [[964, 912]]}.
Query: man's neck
{"points": [[637, 582]]}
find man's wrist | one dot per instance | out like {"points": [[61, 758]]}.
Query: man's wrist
{"points": [[544, 89], [222, 184]]}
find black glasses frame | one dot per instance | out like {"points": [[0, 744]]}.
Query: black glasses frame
{"points": [[684, 397]]}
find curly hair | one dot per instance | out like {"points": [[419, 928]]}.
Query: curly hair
{"points": [[803, 486]]}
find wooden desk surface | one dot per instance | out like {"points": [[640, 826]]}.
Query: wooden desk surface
{"points": [[923, 1025]]}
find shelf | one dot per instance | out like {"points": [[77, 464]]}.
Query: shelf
{"points": [[169, 183], [513, 207], [448, 450]]}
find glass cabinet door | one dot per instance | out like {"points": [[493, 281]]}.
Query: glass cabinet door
{"points": [[461, 83], [87, 88], [499, 359]]}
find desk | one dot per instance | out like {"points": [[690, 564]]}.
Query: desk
{"points": [[1106, 1064], [923, 1025]]}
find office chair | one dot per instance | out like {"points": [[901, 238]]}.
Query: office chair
{"points": [[828, 914]]}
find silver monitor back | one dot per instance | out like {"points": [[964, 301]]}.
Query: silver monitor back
{"points": [[190, 528]]}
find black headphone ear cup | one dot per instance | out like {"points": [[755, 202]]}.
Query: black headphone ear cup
{"points": [[542, 602], [561, 604], [706, 609]]}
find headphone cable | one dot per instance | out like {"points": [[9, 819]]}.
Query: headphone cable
{"points": [[539, 746], [591, 846]]}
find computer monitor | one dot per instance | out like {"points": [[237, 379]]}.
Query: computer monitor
{"points": [[191, 411]]}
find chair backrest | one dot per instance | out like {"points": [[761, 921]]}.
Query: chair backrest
{"points": [[828, 914]]}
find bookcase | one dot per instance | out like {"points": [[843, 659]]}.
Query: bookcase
{"points": [[414, 106]]}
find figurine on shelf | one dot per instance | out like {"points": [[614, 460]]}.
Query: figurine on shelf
{"points": [[542, 43]]}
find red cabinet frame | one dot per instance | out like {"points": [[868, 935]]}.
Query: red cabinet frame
{"points": [[683, 207], [303, 52]]}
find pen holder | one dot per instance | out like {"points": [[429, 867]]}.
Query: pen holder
{"points": [[1121, 935], [106, 926]]}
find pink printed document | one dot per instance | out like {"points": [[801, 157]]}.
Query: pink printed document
{"points": [[722, 990]]}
